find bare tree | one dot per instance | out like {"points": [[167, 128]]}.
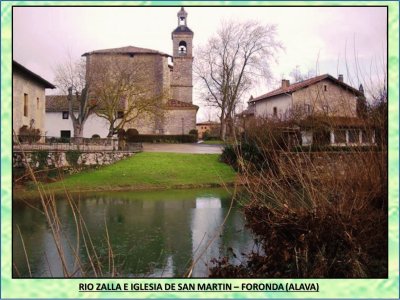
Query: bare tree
{"points": [[231, 62], [71, 79], [123, 90], [297, 75]]}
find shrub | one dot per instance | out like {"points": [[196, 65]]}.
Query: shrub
{"points": [[72, 157], [40, 157], [121, 133], [95, 136], [229, 156], [328, 148], [155, 138], [29, 135], [131, 132], [194, 132], [207, 136]]}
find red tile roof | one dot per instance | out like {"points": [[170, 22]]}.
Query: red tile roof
{"points": [[126, 50], [302, 84], [180, 104]]}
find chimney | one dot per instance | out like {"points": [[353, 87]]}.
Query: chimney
{"points": [[340, 78], [285, 83]]}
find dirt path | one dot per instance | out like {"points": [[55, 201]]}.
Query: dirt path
{"points": [[183, 148]]}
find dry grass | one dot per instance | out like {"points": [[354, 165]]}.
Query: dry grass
{"points": [[315, 214]]}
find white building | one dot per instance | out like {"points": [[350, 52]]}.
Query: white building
{"points": [[59, 124]]}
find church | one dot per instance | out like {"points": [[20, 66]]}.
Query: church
{"points": [[168, 76]]}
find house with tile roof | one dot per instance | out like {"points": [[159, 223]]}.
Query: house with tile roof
{"points": [[210, 128], [162, 76], [28, 98], [58, 122], [324, 98]]}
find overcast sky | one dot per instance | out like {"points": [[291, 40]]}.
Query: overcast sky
{"points": [[316, 38]]}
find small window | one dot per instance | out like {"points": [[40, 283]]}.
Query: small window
{"points": [[65, 115], [340, 136], [25, 105], [325, 87], [37, 103], [354, 136], [275, 109], [120, 114], [65, 134], [367, 136]]}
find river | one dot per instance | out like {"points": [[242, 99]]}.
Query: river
{"points": [[152, 234]]}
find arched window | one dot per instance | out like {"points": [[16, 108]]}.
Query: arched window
{"points": [[182, 47]]}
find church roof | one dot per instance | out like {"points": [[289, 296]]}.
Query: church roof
{"points": [[173, 104], [182, 29], [126, 50]]}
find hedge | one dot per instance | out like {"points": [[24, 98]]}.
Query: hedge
{"points": [[155, 138]]}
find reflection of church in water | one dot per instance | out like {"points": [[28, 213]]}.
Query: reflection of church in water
{"points": [[160, 236], [186, 227]]}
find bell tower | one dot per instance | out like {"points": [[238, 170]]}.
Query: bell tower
{"points": [[181, 80]]}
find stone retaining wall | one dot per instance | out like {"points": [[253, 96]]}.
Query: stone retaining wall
{"points": [[42, 159]]}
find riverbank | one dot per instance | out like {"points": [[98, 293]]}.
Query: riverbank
{"points": [[146, 171]]}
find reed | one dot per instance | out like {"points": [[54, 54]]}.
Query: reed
{"points": [[316, 214]]}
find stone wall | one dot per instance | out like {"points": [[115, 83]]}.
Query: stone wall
{"points": [[327, 97], [181, 79], [177, 120], [35, 94], [61, 159]]}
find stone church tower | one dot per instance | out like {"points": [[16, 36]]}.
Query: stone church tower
{"points": [[181, 81], [171, 84]]}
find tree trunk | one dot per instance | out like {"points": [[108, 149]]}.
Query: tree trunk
{"points": [[78, 133], [111, 131], [223, 128]]}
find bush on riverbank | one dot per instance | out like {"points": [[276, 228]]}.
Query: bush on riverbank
{"points": [[313, 217]]}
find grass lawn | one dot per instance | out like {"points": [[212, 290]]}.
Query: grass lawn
{"points": [[152, 171], [214, 142]]}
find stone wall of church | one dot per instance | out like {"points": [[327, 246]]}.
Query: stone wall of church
{"points": [[178, 121], [145, 124], [150, 70], [153, 73], [182, 93]]}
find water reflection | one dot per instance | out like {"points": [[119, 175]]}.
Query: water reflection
{"points": [[155, 234]]}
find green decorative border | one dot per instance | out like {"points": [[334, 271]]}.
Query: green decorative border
{"points": [[329, 288]]}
